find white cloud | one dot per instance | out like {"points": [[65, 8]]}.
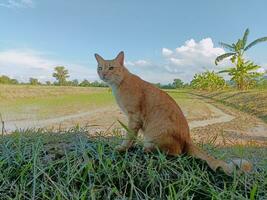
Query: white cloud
{"points": [[182, 62], [167, 52], [192, 57], [23, 64], [139, 63], [18, 4]]}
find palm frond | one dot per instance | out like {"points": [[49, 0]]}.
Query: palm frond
{"points": [[223, 56], [227, 46], [263, 39], [245, 37], [224, 71], [239, 45], [230, 70], [252, 67]]}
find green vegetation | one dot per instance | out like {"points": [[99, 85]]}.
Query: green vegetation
{"points": [[76, 165], [39, 102], [244, 71], [208, 81], [176, 84], [61, 74], [6, 80], [34, 81], [262, 82]]}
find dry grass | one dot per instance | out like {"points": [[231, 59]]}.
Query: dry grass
{"points": [[250, 101]]}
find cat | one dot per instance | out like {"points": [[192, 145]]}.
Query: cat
{"points": [[156, 114]]}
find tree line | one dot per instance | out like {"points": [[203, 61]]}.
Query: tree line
{"points": [[208, 80], [61, 74]]}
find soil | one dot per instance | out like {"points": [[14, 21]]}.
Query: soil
{"points": [[212, 123]]}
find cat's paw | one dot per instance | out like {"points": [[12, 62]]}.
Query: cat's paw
{"points": [[121, 148]]}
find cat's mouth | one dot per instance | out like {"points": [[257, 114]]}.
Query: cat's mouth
{"points": [[104, 79]]}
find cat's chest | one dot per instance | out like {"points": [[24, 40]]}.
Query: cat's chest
{"points": [[117, 95]]}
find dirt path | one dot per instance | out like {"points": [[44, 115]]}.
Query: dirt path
{"points": [[101, 117], [25, 124], [242, 129], [221, 118], [227, 122]]}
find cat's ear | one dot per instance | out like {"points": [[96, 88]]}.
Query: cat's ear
{"points": [[120, 58], [98, 58]]}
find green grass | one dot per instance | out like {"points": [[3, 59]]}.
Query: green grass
{"points": [[59, 105], [20, 102], [46, 102], [39, 164]]}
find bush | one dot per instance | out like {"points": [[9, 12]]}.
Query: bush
{"points": [[6, 80], [208, 81], [261, 82]]}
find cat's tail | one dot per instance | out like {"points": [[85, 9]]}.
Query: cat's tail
{"points": [[214, 163]]}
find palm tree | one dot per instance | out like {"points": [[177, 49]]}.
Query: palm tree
{"points": [[61, 74], [244, 71], [237, 49]]}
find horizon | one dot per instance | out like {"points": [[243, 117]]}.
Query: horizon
{"points": [[161, 41]]}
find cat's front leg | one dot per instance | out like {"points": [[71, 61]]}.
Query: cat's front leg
{"points": [[134, 125]]}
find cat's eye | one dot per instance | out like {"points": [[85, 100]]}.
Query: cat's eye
{"points": [[99, 68], [111, 68]]}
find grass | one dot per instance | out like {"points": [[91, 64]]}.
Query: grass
{"points": [[39, 102], [25, 102], [251, 101], [72, 164]]}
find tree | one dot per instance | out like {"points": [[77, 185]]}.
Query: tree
{"points": [[75, 82], [98, 84], [14, 81], [208, 81], [61, 74], [178, 83], [34, 81], [243, 74], [236, 53], [84, 83], [48, 83], [262, 82], [6, 80]]}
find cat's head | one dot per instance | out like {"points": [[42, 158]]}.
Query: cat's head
{"points": [[111, 71]]}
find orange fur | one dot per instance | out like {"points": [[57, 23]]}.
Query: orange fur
{"points": [[154, 112]]}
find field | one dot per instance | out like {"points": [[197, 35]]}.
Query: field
{"points": [[57, 159], [250, 101]]}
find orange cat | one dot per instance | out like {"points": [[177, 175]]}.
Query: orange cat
{"points": [[155, 113]]}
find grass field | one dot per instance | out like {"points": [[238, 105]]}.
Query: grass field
{"points": [[21, 104], [76, 164], [73, 165], [39, 102]]}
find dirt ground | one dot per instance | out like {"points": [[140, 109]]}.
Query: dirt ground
{"points": [[210, 122]]}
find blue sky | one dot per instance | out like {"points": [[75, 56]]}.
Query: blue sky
{"points": [[162, 40]]}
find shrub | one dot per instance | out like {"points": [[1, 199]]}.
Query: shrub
{"points": [[208, 81]]}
